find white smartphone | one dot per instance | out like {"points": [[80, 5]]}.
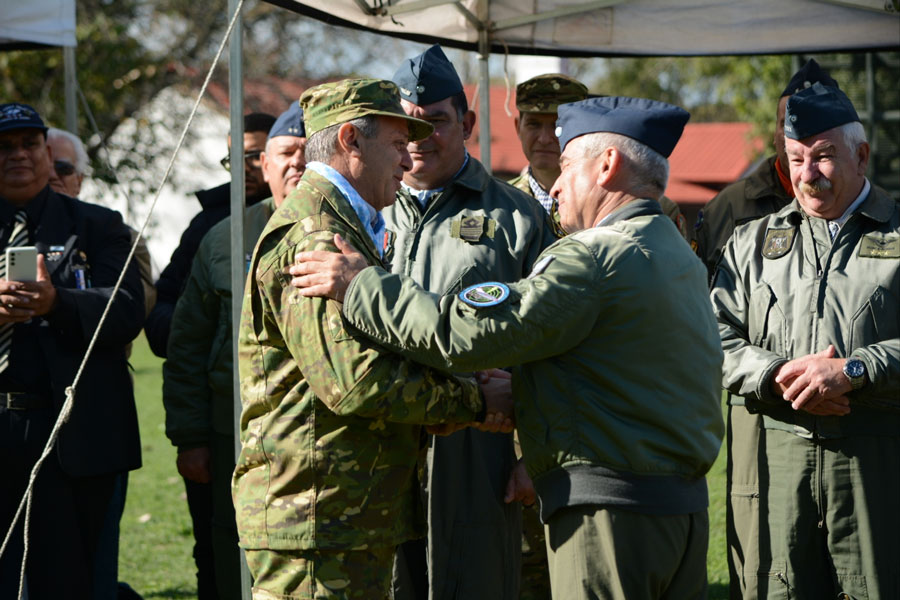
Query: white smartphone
{"points": [[21, 263]]}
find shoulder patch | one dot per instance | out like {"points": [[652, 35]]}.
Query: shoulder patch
{"points": [[778, 242], [875, 245], [483, 295]]}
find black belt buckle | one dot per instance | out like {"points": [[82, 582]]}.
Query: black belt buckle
{"points": [[21, 401]]}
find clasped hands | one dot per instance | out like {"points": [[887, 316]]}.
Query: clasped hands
{"points": [[814, 383]]}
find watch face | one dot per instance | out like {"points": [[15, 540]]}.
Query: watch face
{"points": [[854, 368]]}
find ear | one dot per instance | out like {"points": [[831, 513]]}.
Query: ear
{"points": [[611, 163], [263, 162], [862, 155], [468, 122], [348, 139], [516, 122]]}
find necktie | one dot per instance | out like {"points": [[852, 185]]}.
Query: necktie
{"points": [[17, 237], [833, 229]]}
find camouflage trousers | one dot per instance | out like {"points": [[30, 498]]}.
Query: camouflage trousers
{"points": [[321, 574], [535, 572]]}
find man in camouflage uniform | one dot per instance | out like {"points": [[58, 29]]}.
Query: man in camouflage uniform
{"points": [[617, 431], [806, 300], [537, 100], [324, 487], [765, 191], [454, 225], [198, 390]]}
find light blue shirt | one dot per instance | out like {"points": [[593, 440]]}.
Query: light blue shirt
{"points": [[370, 218]]}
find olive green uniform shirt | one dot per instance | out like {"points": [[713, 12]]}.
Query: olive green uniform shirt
{"points": [[330, 423]]}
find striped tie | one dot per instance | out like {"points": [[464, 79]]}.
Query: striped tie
{"points": [[18, 237]]}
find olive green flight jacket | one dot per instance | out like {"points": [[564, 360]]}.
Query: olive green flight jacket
{"points": [[620, 360], [330, 423], [784, 290]]}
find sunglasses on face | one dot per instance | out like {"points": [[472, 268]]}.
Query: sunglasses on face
{"points": [[63, 168], [251, 159]]}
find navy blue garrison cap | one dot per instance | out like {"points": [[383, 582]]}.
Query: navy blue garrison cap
{"points": [[290, 122], [817, 109], [427, 78], [653, 123], [808, 74], [20, 116]]}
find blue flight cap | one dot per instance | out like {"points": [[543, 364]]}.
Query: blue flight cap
{"points": [[817, 109], [290, 122], [652, 123], [427, 78], [20, 116], [808, 74]]}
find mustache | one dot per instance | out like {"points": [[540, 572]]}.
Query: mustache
{"points": [[815, 186]]}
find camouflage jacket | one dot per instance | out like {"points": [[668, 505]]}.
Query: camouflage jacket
{"points": [[330, 422]]}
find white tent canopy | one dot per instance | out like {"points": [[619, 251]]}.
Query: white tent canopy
{"points": [[37, 23], [624, 27]]}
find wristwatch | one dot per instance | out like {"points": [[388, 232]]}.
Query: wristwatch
{"points": [[855, 370]]}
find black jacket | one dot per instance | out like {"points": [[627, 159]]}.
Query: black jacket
{"points": [[101, 435]]}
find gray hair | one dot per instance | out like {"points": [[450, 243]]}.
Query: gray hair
{"points": [[82, 165], [648, 169], [322, 145], [854, 134]]}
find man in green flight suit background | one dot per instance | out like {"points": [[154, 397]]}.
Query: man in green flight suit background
{"points": [[324, 488], [537, 100], [454, 225], [806, 301], [765, 191], [617, 431], [198, 388]]}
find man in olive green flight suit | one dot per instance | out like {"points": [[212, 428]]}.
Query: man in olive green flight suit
{"points": [[536, 101], [806, 301], [198, 382], [765, 191], [616, 430], [454, 225], [324, 488]]}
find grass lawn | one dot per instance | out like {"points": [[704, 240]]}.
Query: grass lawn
{"points": [[156, 541]]}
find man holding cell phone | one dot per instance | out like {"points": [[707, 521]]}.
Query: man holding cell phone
{"points": [[46, 324]]}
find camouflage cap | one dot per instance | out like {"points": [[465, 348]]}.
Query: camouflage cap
{"points": [[341, 101], [544, 93]]}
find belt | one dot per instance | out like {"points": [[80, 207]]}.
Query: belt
{"points": [[22, 401]]}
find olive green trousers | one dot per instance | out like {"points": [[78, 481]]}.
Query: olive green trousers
{"points": [[611, 554]]}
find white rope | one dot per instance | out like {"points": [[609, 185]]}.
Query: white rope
{"points": [[70, 391]]}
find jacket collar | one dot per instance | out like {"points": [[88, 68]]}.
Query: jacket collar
{"points": [[635, 208]]}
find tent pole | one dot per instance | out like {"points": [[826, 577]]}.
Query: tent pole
{"points": [[484, 98], [238, 268], [71, 103]]}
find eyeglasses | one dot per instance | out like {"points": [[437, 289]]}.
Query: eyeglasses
{"points": [[251, 159], [63, 168]]}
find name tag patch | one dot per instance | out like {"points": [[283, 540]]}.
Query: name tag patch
{"points": [[874, 245], [483, 295], [778, 242]]}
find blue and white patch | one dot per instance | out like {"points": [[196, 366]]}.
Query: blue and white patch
{"points": [[483, 295]]}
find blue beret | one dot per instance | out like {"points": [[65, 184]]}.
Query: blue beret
{"points": [[427, 78], [653, 123], [808, 74], [20, 116], [290, 122], [817, 109]]}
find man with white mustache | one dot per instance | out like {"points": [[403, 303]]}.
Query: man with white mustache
{"points": [[806, 301]]}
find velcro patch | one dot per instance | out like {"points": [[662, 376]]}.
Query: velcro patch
{"points": [[874, 245], [778, 242], [471, 228], [482, 295]]}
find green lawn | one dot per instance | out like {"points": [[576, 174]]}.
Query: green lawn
{"points": [[156, 542]]}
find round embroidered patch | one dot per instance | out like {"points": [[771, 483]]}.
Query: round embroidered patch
{"points": [[490, 293]]}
